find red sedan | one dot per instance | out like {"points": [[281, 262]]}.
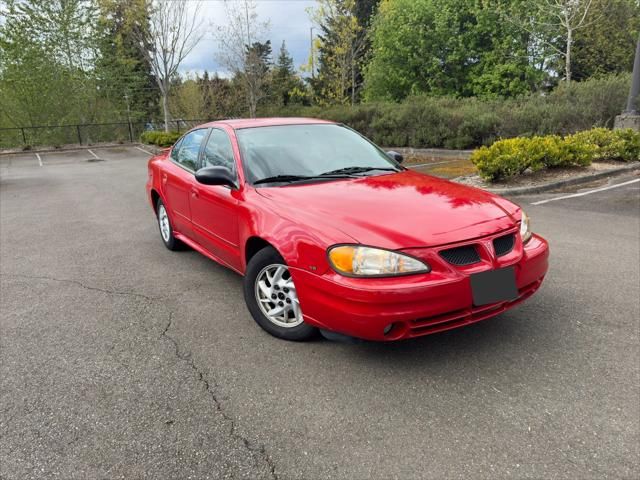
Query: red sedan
{"points": [[332, 233]]}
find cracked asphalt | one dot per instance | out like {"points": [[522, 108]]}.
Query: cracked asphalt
{"points": [[120, 359]]}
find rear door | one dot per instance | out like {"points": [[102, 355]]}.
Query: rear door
{"points": [[214, 207], [178, 179]]}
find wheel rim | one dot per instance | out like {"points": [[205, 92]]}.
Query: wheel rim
{"points": [[277, 296], [163, 220]]}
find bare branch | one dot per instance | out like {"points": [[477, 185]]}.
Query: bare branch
{"points": [[175, 29], [568, 16], [237, 40]]}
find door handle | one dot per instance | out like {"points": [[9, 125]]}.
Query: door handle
{"points": [[194, 193], [164, 178]]}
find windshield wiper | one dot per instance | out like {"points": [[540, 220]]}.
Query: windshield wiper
{"points": [[296, 178], [352, 170]]}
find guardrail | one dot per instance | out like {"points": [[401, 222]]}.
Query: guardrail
{"points": [[86, 133]]}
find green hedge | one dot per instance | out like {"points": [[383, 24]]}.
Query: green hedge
{"points": [[161, 139], [513, 156], [423, 122]]}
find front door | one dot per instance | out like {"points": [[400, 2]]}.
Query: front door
{"points": [[213, 207], [178, 179]]}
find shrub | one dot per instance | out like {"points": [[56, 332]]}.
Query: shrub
{"points": [[510, 157], [612, 144], [161, 139], [574, 152], [503, 159], [430, 122], [628, 145]]}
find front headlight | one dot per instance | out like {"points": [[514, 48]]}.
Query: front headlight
{"points": [[525, 229], [356, 260]]}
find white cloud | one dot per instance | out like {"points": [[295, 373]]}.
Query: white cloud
{"points": [[288, 21]]}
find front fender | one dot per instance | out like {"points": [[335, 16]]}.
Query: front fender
{"points": [[301, 245]]}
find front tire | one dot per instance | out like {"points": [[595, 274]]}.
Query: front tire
{"points": [[166, 228], [272, 299]]}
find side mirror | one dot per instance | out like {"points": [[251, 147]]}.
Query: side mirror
{"points": [[395, 156], [216, 176]]}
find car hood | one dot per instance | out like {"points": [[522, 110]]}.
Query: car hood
{"points": [[394, 211]]}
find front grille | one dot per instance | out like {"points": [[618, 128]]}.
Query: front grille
{"points": [[466, 255], [503, 245]]}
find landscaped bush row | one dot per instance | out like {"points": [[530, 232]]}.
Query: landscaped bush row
{"points": [[161, 139], [513, 156], [461, 123]]}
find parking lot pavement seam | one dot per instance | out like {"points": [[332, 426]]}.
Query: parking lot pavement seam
{"points": [[82, 285], [210, 387]]}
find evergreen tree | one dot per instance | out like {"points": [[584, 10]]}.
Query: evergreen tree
{"points": [[342, 47], [287, 85], [256, 74], [125, 73]]}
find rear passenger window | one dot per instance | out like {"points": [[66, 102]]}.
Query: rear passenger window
{"points": [[187, 150], [218, 151]]}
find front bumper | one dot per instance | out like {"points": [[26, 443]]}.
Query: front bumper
{"points": [[415, 305]]}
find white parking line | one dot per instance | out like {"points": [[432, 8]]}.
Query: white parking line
{"points": [[589, 192], [39, 159], [94, 155], [145, 151]]}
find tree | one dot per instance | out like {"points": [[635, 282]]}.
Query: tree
{"points": [[555, 23], [287, 85], [47, 52], [124, 72], [256, 73], [365, 11], [447, 47], [342, 44], [187, 97], [223, 97], [174, 31], [241, 51], [608, 45]]}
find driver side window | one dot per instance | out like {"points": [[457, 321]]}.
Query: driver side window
{"points": [[186, 151], [218, 151]]}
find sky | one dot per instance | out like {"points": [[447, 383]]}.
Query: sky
{"points": [[288, 21]]}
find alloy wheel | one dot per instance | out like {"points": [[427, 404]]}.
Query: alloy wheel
{"points": [[277, 297], [163, 220]]}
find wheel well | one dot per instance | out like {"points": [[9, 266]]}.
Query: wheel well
{"points": [[154, 197], [253, 246]]}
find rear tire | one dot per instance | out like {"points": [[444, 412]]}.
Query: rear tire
{"points": [[166, 228], [272, 298]]}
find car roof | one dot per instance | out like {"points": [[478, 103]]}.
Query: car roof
{"points": [[239, 123]]}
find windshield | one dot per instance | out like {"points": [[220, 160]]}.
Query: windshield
{"points": [[307, 151]]}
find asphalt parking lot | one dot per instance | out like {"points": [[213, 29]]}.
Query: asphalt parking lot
{"points": [[121, 359]]}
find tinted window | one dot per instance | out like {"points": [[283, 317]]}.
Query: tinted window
{"points": [[187, 150], [218, 151], [305, 150]]}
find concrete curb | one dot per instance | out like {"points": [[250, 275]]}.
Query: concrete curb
{"points": [[432, 152], [635, 166], [152, 148]]}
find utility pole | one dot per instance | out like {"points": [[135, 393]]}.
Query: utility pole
{"points": [[126, 99], [630, 118], [313, 63]]}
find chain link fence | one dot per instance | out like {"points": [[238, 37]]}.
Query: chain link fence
{"points": [[87, 133]]}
